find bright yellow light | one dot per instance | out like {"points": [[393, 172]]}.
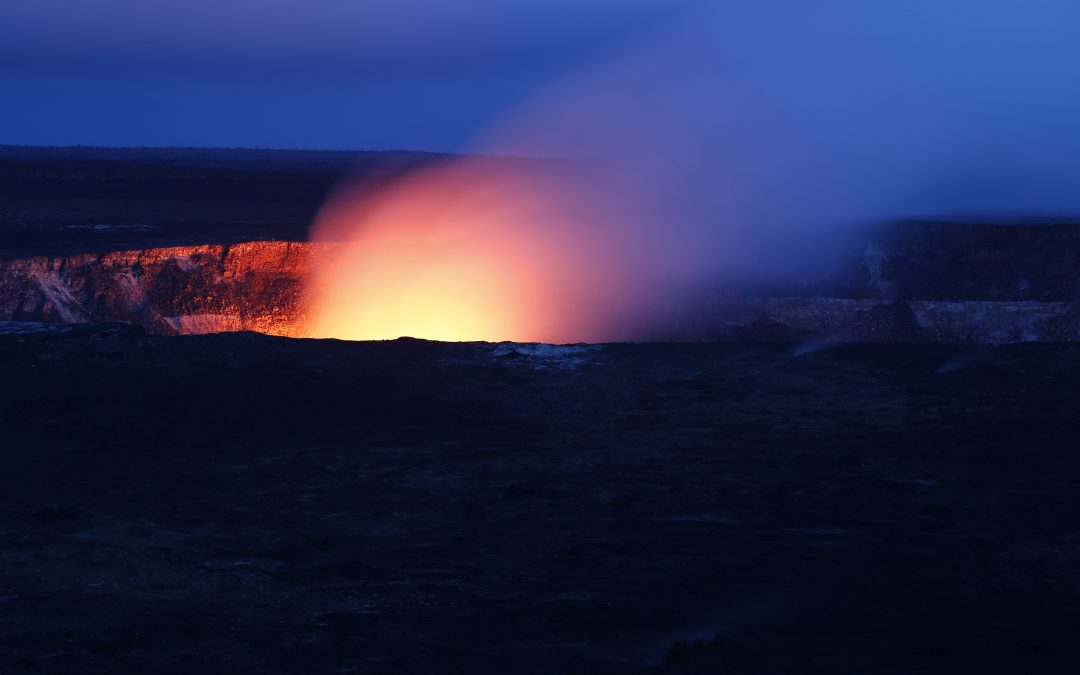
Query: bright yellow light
{"points": [[457, 254]]}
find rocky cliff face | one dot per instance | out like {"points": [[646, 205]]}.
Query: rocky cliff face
{"points": [[947, 261], [916, 282], [255, 286]]}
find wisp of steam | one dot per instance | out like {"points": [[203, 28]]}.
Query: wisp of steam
{"points": [[742, 144]]}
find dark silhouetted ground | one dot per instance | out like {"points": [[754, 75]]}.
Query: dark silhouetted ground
{"points": [[242, 503]]}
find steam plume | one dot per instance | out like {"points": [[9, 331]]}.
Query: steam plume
{"points": [[741, 145]]}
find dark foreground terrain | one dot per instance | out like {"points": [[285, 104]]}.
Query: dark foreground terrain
{"points": [[243, 503]]}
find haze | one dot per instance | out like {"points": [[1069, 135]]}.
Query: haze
{"points": [[739, 144]]}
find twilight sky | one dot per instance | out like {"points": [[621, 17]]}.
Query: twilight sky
{"points": [[419, 74]]}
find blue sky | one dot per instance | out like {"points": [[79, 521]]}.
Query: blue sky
{"points": [[420, 74]]}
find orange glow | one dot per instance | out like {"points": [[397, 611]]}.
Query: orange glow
{"points": [[474, 251]]}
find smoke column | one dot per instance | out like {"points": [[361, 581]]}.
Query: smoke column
{"points": [[741, 145]]}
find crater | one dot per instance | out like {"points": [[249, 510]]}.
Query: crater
{"points": [[908, 283]]}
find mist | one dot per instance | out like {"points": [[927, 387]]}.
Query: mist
{"points": [[744, 144]]}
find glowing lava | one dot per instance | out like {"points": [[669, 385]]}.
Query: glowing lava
{"points": [[479, 250]]}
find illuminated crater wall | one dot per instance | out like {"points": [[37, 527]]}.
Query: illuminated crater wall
{"points": [[912, 282], [256, 286]]}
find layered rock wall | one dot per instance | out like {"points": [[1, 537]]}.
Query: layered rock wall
{"points": [[915, 282], [257, 286]]}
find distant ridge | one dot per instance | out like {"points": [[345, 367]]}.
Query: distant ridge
{"points": [[335, 160]]}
